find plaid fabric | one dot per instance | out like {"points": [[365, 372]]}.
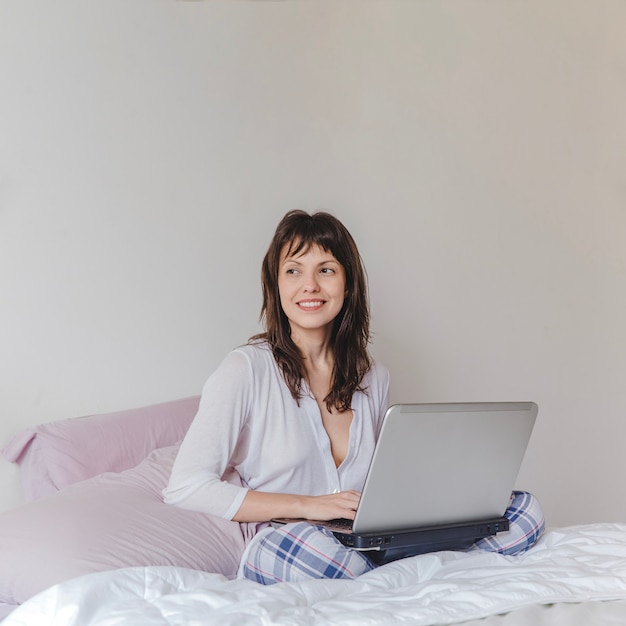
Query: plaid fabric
{"points": [[526, 525], [301, 551]]}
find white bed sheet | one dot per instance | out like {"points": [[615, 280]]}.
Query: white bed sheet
{"points": [[601, 613], [582, 564]]}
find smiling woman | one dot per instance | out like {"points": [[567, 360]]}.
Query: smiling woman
{"points": [[288, 423]]}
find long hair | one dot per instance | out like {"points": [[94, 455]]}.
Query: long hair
{"points": [[298, 231]]}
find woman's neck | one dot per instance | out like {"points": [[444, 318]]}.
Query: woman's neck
{"points": [[316, 351]]}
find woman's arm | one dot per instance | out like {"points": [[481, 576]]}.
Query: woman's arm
{"points": [[259, 506], [197, 479]]}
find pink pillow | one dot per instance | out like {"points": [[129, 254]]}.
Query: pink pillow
{"points": [[54, 455], [108, 522]]}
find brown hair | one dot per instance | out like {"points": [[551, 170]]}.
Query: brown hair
{"points": [[298, 231]]}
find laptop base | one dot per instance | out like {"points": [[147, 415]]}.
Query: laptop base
{"points": [[387, 546]]}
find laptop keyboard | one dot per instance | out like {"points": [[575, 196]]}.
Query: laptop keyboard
{"points": [[341, 523]]}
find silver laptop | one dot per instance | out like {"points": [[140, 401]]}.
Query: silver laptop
{"points": [[440, 478]]}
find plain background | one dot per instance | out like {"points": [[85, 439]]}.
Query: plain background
{"points": [[474, 148]]}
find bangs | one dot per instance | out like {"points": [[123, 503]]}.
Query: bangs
{"points": [[297, 247], [304, 234]]}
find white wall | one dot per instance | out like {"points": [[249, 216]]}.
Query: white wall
{"points": [[475, 149]]}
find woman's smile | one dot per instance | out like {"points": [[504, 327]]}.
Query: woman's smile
{"points": [[311, 305]]}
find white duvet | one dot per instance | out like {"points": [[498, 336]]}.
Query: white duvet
{"points": [[574, 564]]}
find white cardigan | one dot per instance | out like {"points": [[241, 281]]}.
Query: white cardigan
{"points": [[249, 433]]}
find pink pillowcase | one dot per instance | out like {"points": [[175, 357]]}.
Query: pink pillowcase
{"points": [[54, 455], [108, 522]]}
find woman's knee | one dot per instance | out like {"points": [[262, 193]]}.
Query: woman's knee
{"points": [[526, 525], [301, 551]]}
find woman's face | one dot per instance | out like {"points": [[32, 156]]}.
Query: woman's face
{"points": [[312, 288]]}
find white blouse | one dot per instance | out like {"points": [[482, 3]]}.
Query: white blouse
{"points": [[249, 433]]}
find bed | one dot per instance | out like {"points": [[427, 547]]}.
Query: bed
{"points": [[95, 545]]}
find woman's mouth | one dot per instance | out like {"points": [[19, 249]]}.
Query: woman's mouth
{"points": [[311, 305]]}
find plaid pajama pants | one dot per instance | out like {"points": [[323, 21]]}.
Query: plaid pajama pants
{"points": [[302, 551]]}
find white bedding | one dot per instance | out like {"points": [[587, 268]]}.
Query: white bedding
{"points": [[569, 565]]}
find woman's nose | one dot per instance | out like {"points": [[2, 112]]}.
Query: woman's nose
{"points": [[311, 283]]}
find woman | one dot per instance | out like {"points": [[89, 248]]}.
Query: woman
{"points": [[288, 423]]}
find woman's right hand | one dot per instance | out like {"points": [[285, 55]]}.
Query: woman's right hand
{"points": [[342, 504], [262, 507]]}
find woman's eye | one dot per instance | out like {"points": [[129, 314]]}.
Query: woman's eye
{"points": [[291, 270], [327, 270]]}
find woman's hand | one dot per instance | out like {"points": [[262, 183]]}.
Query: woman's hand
{"points": [[333, 506], [262, 507]]}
